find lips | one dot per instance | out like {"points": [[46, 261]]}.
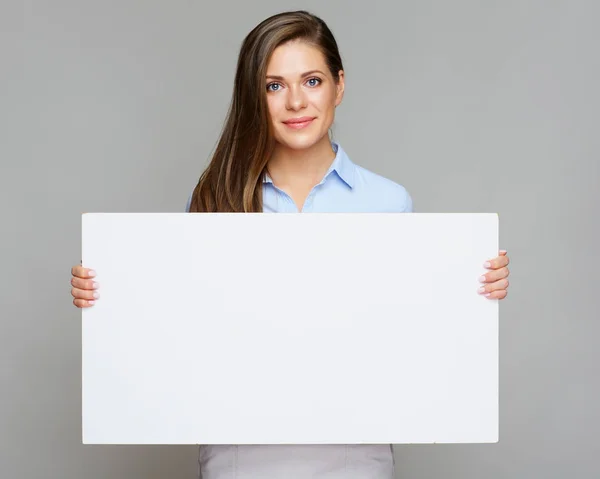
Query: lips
{"points": [[298, 123]]}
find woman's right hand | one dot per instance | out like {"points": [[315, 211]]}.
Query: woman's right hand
{"points": [[84, 289]]}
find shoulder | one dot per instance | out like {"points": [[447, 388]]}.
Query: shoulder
{"points": [[386, 193], [372, 191]]}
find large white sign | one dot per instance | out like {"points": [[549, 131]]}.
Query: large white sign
{"points": [[289, 328]]}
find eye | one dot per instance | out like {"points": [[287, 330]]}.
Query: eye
{"points": [[271, 86], [314, 81]]}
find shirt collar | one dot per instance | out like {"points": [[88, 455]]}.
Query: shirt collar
{"points": [[342, 166]]}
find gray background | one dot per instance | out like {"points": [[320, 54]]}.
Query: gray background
{"points": [[115, 105]]}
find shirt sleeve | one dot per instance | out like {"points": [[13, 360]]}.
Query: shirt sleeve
{"points": [[408, 205], [188, 204]]}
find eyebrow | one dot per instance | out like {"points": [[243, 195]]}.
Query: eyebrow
{"points": [[312, 72]]}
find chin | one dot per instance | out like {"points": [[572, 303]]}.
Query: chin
{"points": [[298, 141]]}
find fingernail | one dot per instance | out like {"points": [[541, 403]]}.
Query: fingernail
{"points": [[91, 303], [96, 295], [487, 264], [502, 251], [487, 294], [482, 279], [95, 285], [481, 290], [92, 273]]}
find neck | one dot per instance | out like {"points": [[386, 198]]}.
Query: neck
{"points": [[289, 167]]}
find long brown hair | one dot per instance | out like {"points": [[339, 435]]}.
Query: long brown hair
{"points": [[232, 182]]}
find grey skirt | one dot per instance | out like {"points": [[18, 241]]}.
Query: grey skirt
{"points": [[296, 462]]}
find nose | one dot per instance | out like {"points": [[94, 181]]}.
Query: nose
{"points": [[296, 99]]}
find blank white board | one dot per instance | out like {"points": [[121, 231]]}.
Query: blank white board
{"points": [[289, 329]]}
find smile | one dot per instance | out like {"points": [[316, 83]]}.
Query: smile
{"points": [[299, 123]]}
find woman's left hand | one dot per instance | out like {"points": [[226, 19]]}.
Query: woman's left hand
{"points": [[496, 281]]}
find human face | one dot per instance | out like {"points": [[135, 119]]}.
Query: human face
{"points": [[301, 95]]}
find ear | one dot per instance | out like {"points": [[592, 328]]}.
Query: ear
{"points": [[340, 88]]}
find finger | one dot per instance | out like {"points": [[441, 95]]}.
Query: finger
{"points": [[84, 283], [496, 263], [500, 294], [495, 286], [494, 275], [84, 294], [82, 303], [82, 272], [502, 252]]}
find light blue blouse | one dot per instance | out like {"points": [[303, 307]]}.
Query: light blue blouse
{"points": [[345, 188]]}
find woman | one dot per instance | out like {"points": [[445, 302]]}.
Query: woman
{"points": [[275, 155]]}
